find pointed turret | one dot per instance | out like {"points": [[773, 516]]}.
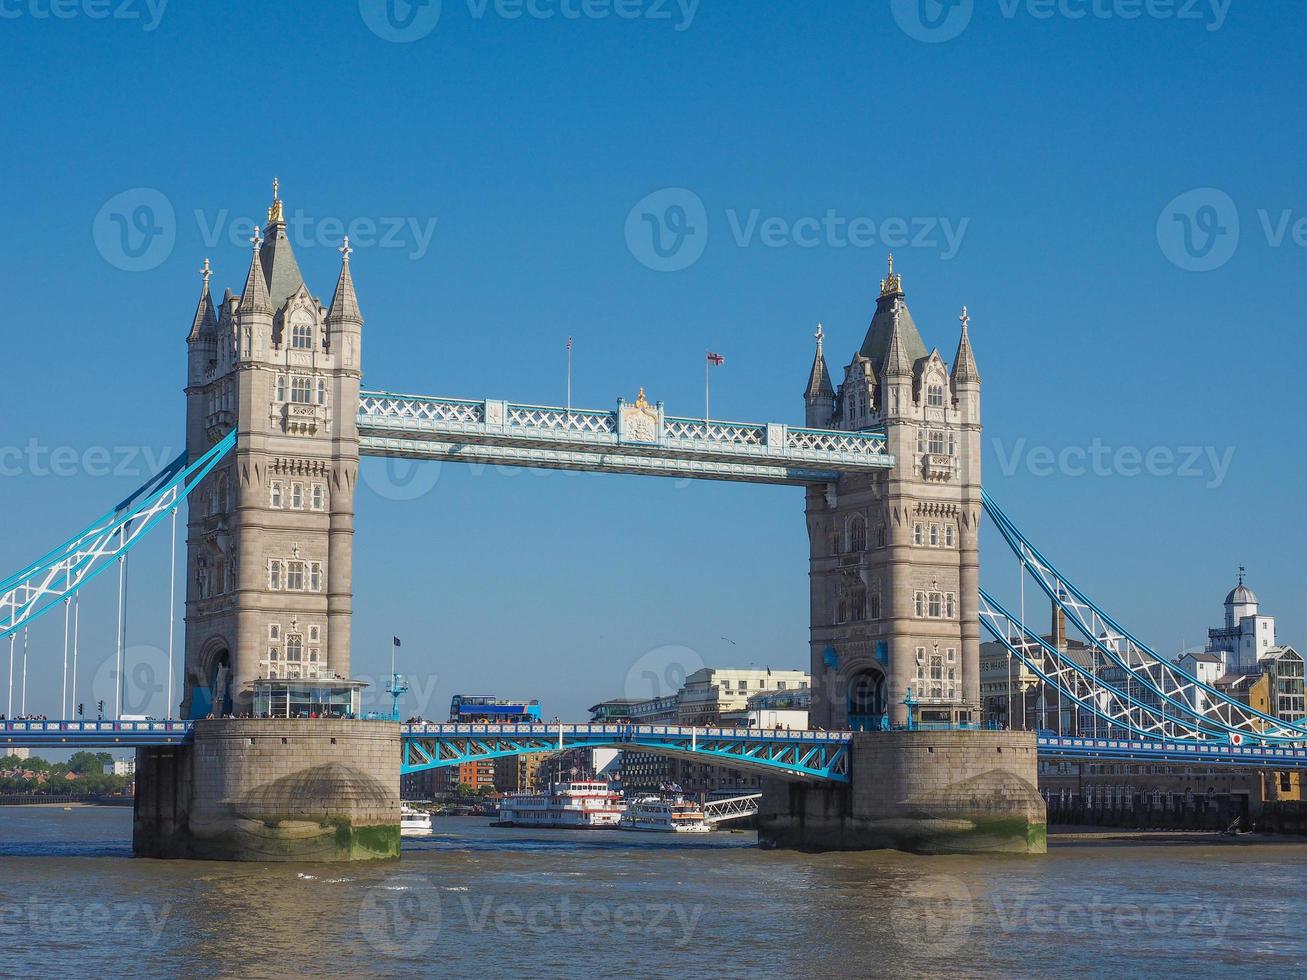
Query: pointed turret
{"points": [[280, 270], [344, 303], [964, 362], [205, 324], [819, 396], [254, 298], [876, 344], [897, 362]]}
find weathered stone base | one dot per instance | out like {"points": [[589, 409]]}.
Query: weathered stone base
{"points": [[272, 790], [950, 792]]}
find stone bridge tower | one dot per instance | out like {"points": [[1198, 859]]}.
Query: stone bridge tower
{"points": [[894, 556], [270, 533]]}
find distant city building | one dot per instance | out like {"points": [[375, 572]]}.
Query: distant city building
{"points": [[1246, 636], [720, 695], [518, 773], [711, 697], [121, 767], [1249, 662]]}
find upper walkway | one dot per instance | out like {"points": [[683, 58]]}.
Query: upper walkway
{"points": [[634, 438]]}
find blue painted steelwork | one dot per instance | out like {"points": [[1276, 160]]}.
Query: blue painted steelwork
{"points": [[1204, 753], [91, 734], [33, 591], [783, 755], [1209, 709], [654, 444]]}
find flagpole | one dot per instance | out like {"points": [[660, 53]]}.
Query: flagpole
{"points": [[569, 374], [705, 390]]}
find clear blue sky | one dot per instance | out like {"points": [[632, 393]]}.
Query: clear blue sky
{"points": [[1055, 144]]}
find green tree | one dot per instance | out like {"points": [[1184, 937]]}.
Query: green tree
{"points": [[84, 763]]}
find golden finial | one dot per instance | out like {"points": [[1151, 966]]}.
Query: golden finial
{"points": [[892, 284], [640, 400], [275, 216]]}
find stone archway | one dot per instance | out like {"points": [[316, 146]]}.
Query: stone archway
{"points": [[211, 689], [867, 702]]}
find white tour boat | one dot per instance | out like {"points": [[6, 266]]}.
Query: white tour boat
{"points": [[571, 806], [676, 816], [413, 822]]}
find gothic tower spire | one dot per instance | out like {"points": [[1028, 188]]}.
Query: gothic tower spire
{"points": [[205, 324], [964, 362], [344, 303], [819, 395], [254, 297]]}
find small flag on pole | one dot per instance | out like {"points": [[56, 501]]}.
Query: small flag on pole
{"points": [[396, 640], [714, 360]]}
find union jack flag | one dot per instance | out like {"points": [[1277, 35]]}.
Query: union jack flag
{"points": [[716, 360]]}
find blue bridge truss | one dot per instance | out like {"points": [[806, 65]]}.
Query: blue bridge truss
{"points": [[792, 755]]}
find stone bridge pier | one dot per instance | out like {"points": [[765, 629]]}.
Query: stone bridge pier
{"points": [[929, 792]]}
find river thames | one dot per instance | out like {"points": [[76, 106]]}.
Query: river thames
{"points": [[478, 900]]}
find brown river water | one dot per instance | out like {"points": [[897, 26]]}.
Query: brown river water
{"points": [[473, 900]]}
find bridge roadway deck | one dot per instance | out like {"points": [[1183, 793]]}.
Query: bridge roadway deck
{"points": [[110, 734]]}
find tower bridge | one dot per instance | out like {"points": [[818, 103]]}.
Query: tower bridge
{"points": [[888, 458]]}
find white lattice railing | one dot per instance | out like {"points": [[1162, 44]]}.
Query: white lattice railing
{"points": [[561, 419], [422, 409], [828, 441], [492, 421], [730, 433]]}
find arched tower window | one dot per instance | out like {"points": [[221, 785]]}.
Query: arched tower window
{"points": [[857, 533], [301, 331]]}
